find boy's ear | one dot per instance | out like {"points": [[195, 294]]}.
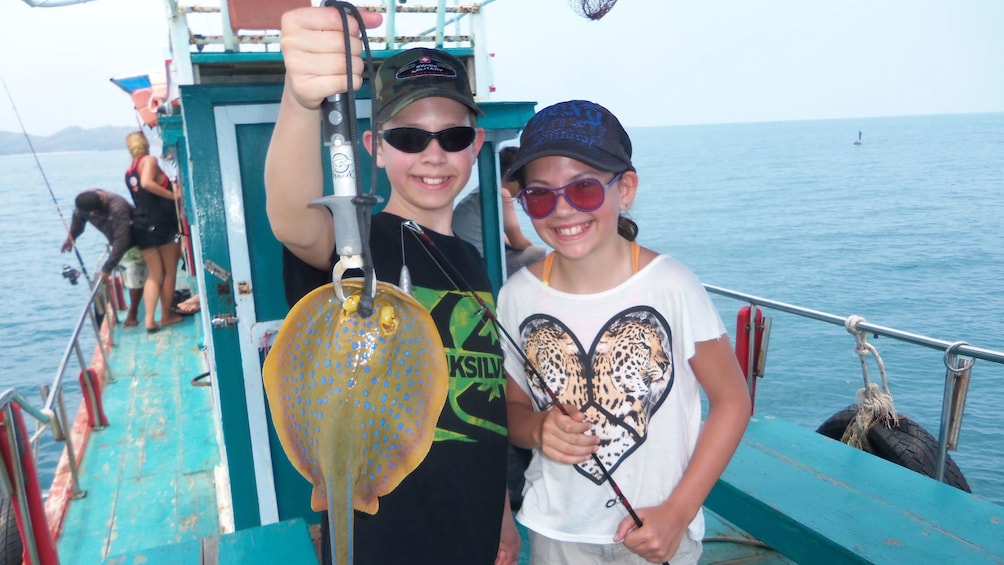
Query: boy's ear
{"points": [[479, 140], [368, 144]]}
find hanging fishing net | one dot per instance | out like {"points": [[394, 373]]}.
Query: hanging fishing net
{"points": [[592, 9]]}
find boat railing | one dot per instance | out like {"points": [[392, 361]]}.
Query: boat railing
{"points": [[240, 25], [216, 31], [19, 479], [957, 372]]}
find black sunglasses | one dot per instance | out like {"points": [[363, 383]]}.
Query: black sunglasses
{"points": [[414, 140]]}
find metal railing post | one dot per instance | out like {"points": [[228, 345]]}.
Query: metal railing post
{"points": [[952, 406], [27, 493], [71, 454]]}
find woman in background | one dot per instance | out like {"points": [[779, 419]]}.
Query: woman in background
{"points": [[155, 230]]}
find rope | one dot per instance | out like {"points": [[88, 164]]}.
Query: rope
{"points": [[875, 404]]}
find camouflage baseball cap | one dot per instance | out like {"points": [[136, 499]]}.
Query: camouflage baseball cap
{"points": [[578, 129], [419, 73]]}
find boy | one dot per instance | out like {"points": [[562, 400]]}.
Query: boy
{"points": [[111, 214], [450, 509]]}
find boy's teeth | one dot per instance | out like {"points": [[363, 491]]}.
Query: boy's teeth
{"points": [[433, 180]]}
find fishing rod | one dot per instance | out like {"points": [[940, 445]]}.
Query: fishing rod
{"points": [[68, 272], [454, 275]]}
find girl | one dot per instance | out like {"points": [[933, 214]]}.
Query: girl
{"points": [[626, 339]]}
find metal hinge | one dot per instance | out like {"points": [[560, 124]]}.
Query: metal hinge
{"points": [[224, 321], [216, 270]]}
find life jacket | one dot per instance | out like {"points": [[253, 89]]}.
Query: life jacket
{"points": [[132, 178]]}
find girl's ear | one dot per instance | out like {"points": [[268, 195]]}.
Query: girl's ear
{"points": [[628, 189]]}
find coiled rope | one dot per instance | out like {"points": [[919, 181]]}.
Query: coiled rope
{"points": [[875, 403]]}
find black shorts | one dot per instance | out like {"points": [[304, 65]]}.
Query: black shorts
{"points": [[148, 237]]}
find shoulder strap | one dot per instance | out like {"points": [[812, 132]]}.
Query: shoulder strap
{"points": [[548, 263]]}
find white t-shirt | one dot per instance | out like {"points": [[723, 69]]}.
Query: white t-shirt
{"points": [[621, 356]]}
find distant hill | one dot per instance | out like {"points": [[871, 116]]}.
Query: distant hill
{"points": [[69, 139]]}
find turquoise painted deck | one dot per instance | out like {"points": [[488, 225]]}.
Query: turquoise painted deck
{"points": [[724, 544], [149, 474], [151, 495], [286, 543], [819, 501]]}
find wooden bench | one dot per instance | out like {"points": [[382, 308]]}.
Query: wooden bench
{"points": [[816, 500]]}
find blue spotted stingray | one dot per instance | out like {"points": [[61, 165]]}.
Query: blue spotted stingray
{"points": [[355, 400]]}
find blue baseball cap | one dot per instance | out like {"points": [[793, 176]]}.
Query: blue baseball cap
{"points": [[578, 129]]}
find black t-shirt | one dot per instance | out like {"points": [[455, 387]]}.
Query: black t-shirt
{"points": [[449, 509]]}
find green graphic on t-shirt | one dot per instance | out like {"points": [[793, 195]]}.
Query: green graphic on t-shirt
{"points": [[474, 358]]}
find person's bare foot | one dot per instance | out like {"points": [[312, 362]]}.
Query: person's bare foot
{"points": [[187, 307], [130, 323], [171, 320], [153, 328]]}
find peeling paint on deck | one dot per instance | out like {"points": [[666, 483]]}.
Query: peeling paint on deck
{"points": [[150, 475]]}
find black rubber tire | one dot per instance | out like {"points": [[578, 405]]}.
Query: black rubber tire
{"points": [[908, 445], [11, 548]]}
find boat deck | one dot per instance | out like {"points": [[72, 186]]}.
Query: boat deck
{"points": [[820, 501], [724, 544], [150, 479], [148, 476]]}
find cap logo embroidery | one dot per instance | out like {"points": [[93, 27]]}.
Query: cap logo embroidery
{"points": [[577, 123], [425, 66]]}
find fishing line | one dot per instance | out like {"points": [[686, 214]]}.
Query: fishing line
{"points": [[66, 226], [454, 275]]}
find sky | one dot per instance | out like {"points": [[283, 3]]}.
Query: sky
{"points": [[652, 62]]}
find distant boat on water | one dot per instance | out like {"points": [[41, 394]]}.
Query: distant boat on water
{"points": [[858, 140]]}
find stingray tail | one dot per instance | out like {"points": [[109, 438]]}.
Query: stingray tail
{"points": [[340, 519]]}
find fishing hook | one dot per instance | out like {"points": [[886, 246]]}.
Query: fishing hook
{"points": [[454, 275]]}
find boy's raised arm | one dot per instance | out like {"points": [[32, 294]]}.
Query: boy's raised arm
{"points": [[314, 54]]}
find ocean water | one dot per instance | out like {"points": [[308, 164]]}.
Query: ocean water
{"points": [[906, 230], [41, 308]]}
